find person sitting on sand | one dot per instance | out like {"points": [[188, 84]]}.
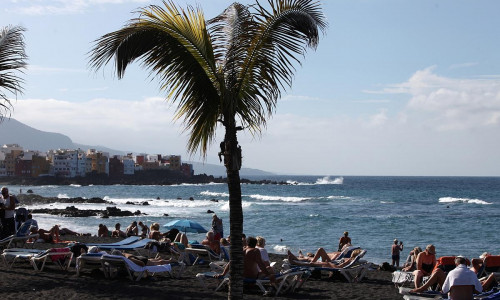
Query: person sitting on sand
{"points": [[142, 260], [261, 243], [344, 240], [425, 263], [118, 232], [211, 242], [155, 233], [132, 229], [102, 231], [144, 229], [411, 261]]}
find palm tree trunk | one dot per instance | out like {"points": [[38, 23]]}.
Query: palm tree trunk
{"points": [[233, 164]]}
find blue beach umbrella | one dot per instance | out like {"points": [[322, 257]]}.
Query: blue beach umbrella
{"points": [[186, 226]]}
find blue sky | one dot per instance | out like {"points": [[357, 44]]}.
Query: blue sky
{"points": [[394, 88]]}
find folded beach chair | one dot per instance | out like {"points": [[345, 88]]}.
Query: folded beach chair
{"points": [[22, 236], [59, 256], [129, 240], [88, 261], [111, 263]]}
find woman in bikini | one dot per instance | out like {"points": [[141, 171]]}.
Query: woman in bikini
{"points": [[426, 261]]}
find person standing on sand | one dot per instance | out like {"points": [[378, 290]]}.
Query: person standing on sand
{"points": [[344, 240], [395, 250], [8, 205], [217, 227]]}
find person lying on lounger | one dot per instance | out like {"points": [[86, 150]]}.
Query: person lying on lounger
{"points": [[320, 253], [141, 260], [330, 264]]}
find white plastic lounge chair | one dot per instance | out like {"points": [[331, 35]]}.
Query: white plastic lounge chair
{"points": [[130, 247], [200, 251], [110, 263], [22, 236], [353, 272], [287, 281], [88, 261], [10, 256], [129, 240], [59, 256]]}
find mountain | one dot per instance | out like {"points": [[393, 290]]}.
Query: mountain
{"points": [[15, 132]]}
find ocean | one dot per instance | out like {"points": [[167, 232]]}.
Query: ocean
{"points": [[459, 215]]}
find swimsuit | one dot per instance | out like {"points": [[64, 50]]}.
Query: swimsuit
{"points": [[427, 267]]}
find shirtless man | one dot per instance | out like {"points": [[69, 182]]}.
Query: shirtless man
{"points": [[426, 261], [344, 240], [118, 232], [211, 242], [253, 265]]}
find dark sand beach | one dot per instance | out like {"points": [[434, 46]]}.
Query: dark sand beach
{"points": [[23, 282]]}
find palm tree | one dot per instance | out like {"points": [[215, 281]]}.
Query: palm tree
{"points": [[12, 58], [229, 70]]}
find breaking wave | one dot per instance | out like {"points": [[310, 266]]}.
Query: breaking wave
{"points": [[279, 198], [328, 180], [462, 200]]}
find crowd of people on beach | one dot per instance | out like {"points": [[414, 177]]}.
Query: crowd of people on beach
{"points": [[456, 276]]}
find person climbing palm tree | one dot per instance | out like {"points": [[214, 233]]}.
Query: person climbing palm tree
{"points": [[229, 71]]}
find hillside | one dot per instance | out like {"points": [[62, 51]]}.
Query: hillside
{"points": [[15, 132]]}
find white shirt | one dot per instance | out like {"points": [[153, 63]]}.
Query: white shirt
{"points": [[263, 253], [8, 213], [461, 275]]}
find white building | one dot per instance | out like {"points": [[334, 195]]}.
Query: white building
{"points": [[128, 165], [68, 163]]}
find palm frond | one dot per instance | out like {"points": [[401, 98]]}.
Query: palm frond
{"points": [[284, 33], [175, 46], [12, 59]]}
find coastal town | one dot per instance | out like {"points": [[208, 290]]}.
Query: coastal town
{"points": [[72, 163]]}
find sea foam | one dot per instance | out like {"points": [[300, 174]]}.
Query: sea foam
{"points": [[328, 180], [462, 200], [278, 198]]}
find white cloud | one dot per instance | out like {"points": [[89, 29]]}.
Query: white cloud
{"points": [[61, 7]]}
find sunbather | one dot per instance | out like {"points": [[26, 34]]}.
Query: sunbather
{"points": [[142, 260], [253, 265], [118, 232], [331, 264], [320, 253], [155, 233], [144, 229], [211, 242], [464, 275], [132, 229], [426, 261], [411, 263], [49, 236], [103, 231]]}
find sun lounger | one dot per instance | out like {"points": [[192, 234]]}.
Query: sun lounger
{"points": [[10, 256], [22, 236], [129, 240], [110, 263], [130, 247], [200, 251], [287, 281], [59, 256], [353, 272], [88, 261]]}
